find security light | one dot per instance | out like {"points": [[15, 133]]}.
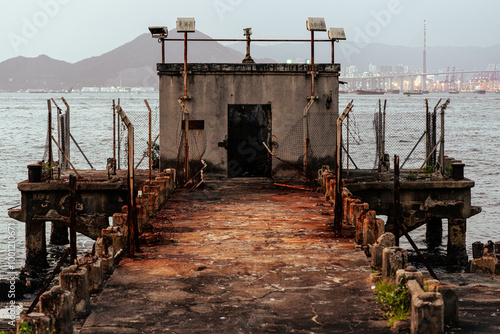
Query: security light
{"points": [[158, 32], [316, 24], [185, 24], [337, 34]]}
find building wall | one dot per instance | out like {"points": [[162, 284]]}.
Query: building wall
{"points": [[213, 87]]}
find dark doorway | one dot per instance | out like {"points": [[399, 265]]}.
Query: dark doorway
{"points": [[249, 125]]}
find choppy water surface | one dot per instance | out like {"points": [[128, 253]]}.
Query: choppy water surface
{"points": [[472, 135]]}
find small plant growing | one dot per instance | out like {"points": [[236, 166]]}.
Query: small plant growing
{"points": [[428, 170], [449, 170], [24, 328], [394, 300], [412, 176]]}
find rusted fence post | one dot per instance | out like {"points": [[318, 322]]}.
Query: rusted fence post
{"points": [[133, 240], [150, 144], [72, 217], [337, 223], [397, 211]]}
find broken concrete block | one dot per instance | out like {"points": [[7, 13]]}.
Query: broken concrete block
{"points": [[489, 248], [484, 265], [393, 258], [58, 303], [385, 240], [37, 322], [449, 293], [411, 273], [427, 310], [75, 280], [93, 265], [477, 250], [372, 230]]}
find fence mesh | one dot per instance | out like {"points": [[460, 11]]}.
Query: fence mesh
{"points": [[140, 120], [405, 136], [319, 131], [197, 145]]}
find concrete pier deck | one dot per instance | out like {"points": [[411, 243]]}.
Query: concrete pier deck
{"points": [[241, 256]]}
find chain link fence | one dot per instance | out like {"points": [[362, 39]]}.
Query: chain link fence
{"points": [[140, 119], [367, 135]]}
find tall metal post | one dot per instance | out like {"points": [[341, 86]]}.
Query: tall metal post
{"points": [[150, 143], [72, 220], [118, 135], [49, 105], [67, 133], [114, 135], [397, 212], [312, 65], [185, 63], [163, 50], [337, 223]]}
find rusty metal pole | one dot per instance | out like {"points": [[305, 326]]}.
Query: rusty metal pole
{"points": [[312, 64], [114, 135], [441, 151], [67, 149], [397, 212], [72, 217], [186, 146], [150, 144], [118, 137], [163, 50], [383, 129], [49, 105], [333, 51], [185, 63]]}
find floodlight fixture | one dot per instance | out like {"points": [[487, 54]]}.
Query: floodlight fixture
{"points": [[158, 32], [337, 34], [316, 24], [185, 24]]}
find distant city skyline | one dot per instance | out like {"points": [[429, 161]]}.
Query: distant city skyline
{"points": [[72, 30]]}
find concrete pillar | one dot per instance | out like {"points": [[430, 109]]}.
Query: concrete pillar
{"points": [[59, 234], [427, 310], [456, 251], [393, 259], [104, 250], [57, 303], [360, 223], [477, 250], [75, 280], [411, 273], [93, 265], [449, 293], [434, 232], [36, 248], [497, 248], [384, 241], [372, 230], [37, 322]]}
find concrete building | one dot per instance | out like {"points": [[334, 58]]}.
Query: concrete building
{"points": [[233, 108]]}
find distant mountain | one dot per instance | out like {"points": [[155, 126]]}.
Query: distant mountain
{"points": [[348, 53], [134, 64], [130, 65]]}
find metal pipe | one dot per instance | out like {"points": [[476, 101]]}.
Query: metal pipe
{"points": [[72, 217], [67, 145], [49, 105], [397, 211], [60, 150], [163, 50], [114, 135], [337, 223], [185, 63], [81, 151], [312, 64], [150, 144], [133, 240], [118, 135], [244, 40]]}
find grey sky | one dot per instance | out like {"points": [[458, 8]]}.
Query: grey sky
{"points": [[72, 30]]}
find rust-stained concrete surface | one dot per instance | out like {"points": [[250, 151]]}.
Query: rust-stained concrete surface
{"points": [[246, 257]]}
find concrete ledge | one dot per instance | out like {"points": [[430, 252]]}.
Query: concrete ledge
{"points": [[176, 69]]}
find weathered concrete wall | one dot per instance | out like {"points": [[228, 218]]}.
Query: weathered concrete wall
{"points": [[215, 86]]}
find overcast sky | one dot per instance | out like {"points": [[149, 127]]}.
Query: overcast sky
{"points": [[72, 30]]}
